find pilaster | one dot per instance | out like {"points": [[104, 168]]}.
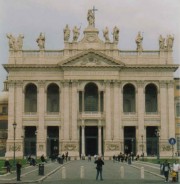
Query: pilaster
{"points": [[108, 110], [140, 112], [171, 116], [41, 122], [116, 110], [66, 110], [163, 110]]}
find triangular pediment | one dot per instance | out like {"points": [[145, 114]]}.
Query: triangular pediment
{"points": [[91, 58]]}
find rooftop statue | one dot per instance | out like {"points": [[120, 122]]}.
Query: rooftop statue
{"points": [[41, 41], [15, 44], [139, 40], [169, 42], [91, 18], [20, 42], [106, 34], [66, 33], [75, 33], [161, 43], [115, 34]]}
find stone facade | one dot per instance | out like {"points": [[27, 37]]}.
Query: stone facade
{"points": [[82, 67]]}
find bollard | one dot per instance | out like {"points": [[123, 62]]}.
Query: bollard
{"points": [[142, 172], [122, 172], [63, 173], [82, 172]]}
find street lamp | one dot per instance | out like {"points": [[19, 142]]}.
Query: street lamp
{"points": [[142, 147], [132, 145], [14, 126], [36, 143], [157, 133]]}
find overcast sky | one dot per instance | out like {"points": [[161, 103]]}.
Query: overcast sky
{"points": [[30, 17]]}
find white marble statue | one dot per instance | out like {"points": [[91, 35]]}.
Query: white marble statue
{"points": [[106, 34], [75, 33], [115, 34], [161, 43], [169, 42], [139, 40], [91, 17], [66, 33], [15, 44], [41, 41]]}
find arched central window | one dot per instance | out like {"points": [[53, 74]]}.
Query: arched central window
{"points": [[53, 98], [91, 97], [31, 98], [151, 98], [129, 98]]}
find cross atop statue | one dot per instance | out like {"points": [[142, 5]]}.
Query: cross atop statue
{"points": [[91, 16]]}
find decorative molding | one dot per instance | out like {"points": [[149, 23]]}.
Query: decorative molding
{"points": [[17, 147], [70, 147], [112, 147]]}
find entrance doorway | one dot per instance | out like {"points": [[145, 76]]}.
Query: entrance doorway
{"points": [[129, 139], [151, 139], [91, 140], [30, 141], [52, 141]]}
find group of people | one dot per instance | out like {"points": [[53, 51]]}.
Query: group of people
{"points": [[167, 169]]}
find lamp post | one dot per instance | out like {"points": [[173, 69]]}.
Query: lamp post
{"points": [[132, 140], [36, 143], [14, 126], [142, 147], [157, 133]]}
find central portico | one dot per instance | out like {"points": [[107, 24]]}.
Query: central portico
{"points": [[90, 97]]}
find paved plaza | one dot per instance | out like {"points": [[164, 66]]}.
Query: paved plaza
{"points": [[84, 172]]}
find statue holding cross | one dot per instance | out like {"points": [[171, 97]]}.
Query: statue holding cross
{"points": [[91, 16]]}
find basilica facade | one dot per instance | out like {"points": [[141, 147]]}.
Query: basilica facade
{"points": [[90, 97]]}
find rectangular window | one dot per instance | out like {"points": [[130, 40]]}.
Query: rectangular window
{"points": [[4, 110], [178, 110], [178, 143], [178, 87]]}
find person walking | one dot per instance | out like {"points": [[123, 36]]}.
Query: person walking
{"points": [[7, 165], [176, 168], [166, 169], [99, 165], [18, 170]]}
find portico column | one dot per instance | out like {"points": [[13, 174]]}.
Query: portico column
{"points": [[82, 101], [116, 110], [140, 110], [83, 140], [108, 110], [99, 141], [163, 110], [99, 101], [41, 109], [66, 111]]}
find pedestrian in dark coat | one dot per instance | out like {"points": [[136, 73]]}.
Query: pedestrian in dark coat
{"points": [[7, 165], [166, 169], [99, 165], [18, 170]]}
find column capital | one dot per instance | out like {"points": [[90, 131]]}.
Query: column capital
{"points": [[41, 83], [11, 83], [170, 84], [140, 84], [19, 83], [162, 84], [107, 82], [66, 83]]}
